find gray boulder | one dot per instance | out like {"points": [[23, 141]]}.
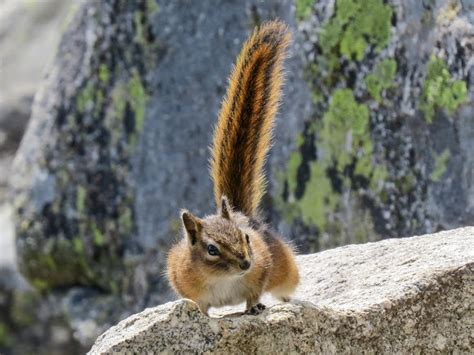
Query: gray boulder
{"points": [[412, 295]]}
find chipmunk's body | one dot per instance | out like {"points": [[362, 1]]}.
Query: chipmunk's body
{"points": [[232, 257]]}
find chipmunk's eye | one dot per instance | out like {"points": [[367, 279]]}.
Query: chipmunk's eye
{"points": [[247, 238], [212, 250]]}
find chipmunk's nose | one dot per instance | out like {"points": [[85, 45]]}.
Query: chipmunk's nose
{"points": [[244, 265]]}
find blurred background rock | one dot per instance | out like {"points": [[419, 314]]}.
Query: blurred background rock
{"points": [[374, 140], [30, 31], [29, 34]]}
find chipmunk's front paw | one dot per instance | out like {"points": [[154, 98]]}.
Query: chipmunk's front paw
{"points": [[256, 309]]}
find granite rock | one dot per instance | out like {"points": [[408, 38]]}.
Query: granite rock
{"points": [[412, 295]]}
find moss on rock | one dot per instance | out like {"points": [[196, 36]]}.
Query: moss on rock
{"points": [[303, 8], [331, 190], [440, 167], [355, 25], [440, 90], [370, 154], [344, 130], [344, 144], [381, 78]]}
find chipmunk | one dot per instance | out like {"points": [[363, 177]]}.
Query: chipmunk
{"points": [[232, 257]]}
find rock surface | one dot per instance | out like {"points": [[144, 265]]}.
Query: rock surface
{"points": [[395, 296]]}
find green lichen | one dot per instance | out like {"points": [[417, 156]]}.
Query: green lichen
{"points": [[85, 98], [440, 168], [141, 20], [378, 176], [80, 199], [303, 8], [405, 183], [23, 307], [143, 33], [138, 98], [440, 90], [319, 199], [44, 262], [133, 93], [344, 139], [119, 101], [99, 239], [104, 74], [344, 131], [152, 7], [139, 31], [93, 94], [294, 162], [81, 260], [332, 191], [381, 78], [125, 221], [5, 337], [356, 25], [78, 245], [60, 262], [63, 177], [39, 284]]}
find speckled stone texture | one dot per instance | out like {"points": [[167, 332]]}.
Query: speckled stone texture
{"points": [[413, 295]]}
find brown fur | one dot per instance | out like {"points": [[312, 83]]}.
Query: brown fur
{"points": [[192, 272], [244, 129], [284, 275], [251, 259]]}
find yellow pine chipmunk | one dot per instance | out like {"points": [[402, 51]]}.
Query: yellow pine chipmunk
{"points": [[231, 257]]}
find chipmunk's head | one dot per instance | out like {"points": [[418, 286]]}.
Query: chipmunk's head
{"points": [[218, 246]]}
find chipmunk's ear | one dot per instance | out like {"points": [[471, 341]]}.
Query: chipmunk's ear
{"points": [[192, 226], [226, 209]]}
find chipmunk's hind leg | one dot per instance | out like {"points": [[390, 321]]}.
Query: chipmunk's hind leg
{"points": [[204, 308], [254, 308], [282, 294]]}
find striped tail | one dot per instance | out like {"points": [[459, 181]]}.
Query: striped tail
{"points": [[243, 133]]}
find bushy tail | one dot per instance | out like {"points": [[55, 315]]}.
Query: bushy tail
{"points": [[244, 130]]}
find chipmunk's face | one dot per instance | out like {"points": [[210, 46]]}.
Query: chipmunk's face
{"points": [[217, 244]]}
